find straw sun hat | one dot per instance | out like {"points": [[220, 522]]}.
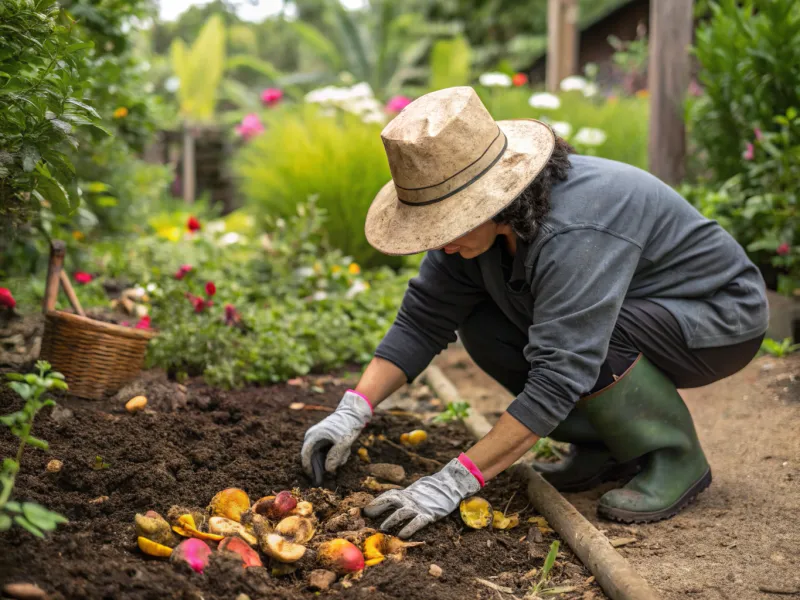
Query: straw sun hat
{"points": [[453, 168]]}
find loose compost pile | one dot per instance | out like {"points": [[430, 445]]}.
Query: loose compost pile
{"points": [[208, 500]]}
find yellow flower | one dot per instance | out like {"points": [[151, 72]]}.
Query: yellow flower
{"points": [[77, 235], [643, 94], [120, 112], [317, 267], [335, 269], [354, 269]]}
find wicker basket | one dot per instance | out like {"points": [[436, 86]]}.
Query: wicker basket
{"points": [[96, 358]]}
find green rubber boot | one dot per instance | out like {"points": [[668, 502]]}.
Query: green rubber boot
{"points": [[641, 415], [589, 464]]}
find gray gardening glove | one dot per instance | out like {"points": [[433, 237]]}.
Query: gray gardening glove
{"points": [[426, 500], [340, 429]]}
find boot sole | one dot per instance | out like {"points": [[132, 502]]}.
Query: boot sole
{"points": [[616, 473], [630, 516]]}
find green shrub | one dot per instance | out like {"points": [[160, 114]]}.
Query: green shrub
{"points": [[749, 59], [624, 120], [339, 159]]}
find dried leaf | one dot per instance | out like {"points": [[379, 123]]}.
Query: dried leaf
{"points": [[542, 524]]}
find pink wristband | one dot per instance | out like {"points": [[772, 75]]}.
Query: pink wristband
{"points": [[364, 398], [472, 468]]}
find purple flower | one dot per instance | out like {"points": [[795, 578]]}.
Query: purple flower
{"points": [[750, 152], [250, 127]]}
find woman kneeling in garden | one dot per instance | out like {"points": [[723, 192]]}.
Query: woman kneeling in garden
{"points": [[587, 287]]}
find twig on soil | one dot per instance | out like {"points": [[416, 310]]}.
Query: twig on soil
{"points": [[494, 586], [773, 589], [505, 510], [427, 462]]}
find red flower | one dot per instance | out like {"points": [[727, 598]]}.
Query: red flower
{"points": [[271, 96], [783, 249], [183, 271], [193, 224], [6, 299], [199, 303], [211, 289], [232, 316], [144, 323], [519, 79], [83, 278]]}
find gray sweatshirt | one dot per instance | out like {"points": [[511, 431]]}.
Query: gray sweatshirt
{"points": [[613, 232]]}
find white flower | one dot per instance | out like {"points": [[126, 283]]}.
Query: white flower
{"points": [[266, 242], [151, 287], [320, 295], [172, 84], [139, 291], [374, 117], [590, 90], [304, 272], [280, 223], [589, 136], [215, 227], [357, 287], [149, 87], [562, 128], [360, 90], [573, 83], [544, 100], [229, 238], [495, 80]]}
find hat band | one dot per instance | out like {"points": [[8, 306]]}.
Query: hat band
{"points": [[432, 194]]}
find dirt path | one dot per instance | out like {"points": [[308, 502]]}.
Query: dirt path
{"points": [[741, 538]]}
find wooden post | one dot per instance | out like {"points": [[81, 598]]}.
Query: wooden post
{"points": [[668, 79], [189, 167], [57, 251], [562, 41]]}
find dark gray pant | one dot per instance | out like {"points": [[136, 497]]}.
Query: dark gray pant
{"points": [[496, 344]]}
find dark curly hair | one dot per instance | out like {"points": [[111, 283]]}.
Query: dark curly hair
{"points": [[532, 205]]}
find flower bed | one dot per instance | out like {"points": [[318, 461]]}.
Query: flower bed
{"points": [[250, 439]]}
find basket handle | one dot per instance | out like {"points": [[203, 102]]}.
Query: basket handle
{"points": [[56, 275]]}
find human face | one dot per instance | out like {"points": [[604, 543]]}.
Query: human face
{"points": [[476, 242]]}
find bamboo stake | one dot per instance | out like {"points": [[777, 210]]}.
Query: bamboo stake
{"points": [[70, 292]]}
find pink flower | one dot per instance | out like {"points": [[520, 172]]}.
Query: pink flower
{"points": [[211, 289], [183, 271], [750, 152], [6, 299], [250, 127], [199, 303], [695, 89], [271, 96], [193, 224], [519, 79], [83, 278], [144, 323], [397, 103], [758, 133], [783, 249], [232, 316]]}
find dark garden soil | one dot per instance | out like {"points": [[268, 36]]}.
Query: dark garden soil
{"points": [[193, 441], [739, 540]]}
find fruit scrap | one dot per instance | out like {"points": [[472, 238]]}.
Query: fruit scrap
{"points": [[356, 500], [194, 553], [279, 548], [414, 438], [152, 548], [155, 528], [542, 524], [363, 454], [229, 503], [303, 509], [340, 556], [373, 484], [198, 514], [476, 512], [187, 528], [379, 546], [249, 556], [276, 507], [229, 527], [321, 580], [299, 529], [136, 404], [501, 521], [388, 472]]}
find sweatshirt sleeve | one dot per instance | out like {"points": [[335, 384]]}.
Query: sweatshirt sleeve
{"points": [[581, 279], [436, 303]]}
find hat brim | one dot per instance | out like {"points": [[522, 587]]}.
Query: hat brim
{"points": [[395, 228]]}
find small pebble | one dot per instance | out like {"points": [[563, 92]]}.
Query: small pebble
{"points": [[435, 571], [24, 591], [54, 466], [136, 404], [98, 500], [388, 472], [320, 579]]}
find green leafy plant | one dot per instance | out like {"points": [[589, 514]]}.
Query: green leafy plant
{"points": [[547, 449], [779, 349], [455, 411], [32, 388], [544, 574]]}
